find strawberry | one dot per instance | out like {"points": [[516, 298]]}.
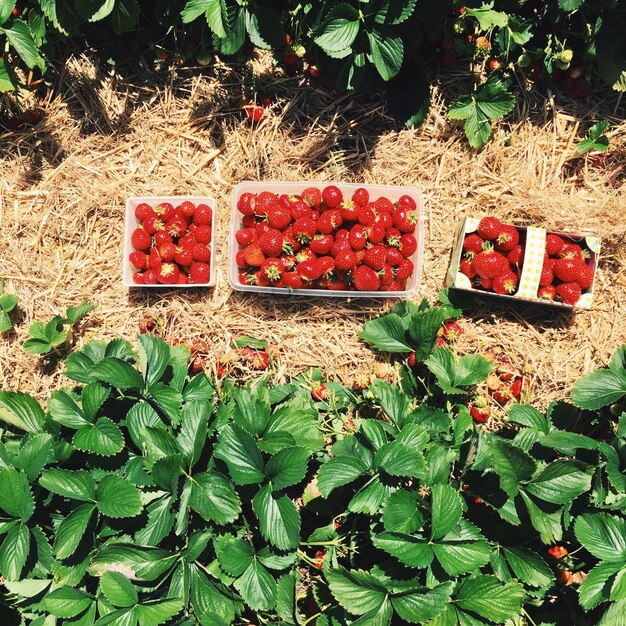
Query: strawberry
{"points": [[305, 254], [272, 269], [143, 210], [138, 278], [547, 292], [375, 257], [186, 241], [176, 227], [386, 275], [245, 204], [138, 260], [451, 331], [376, 232], [167, 251], [154, 259], [516, 256], [187, 209], [349, 211], [203, 234], [292, 280], [279, 216], [505, 283], [485, 283], [168, 273], [182, 279], [566, 577], [489, 228], [203, 215], [201, 253], [585, 278], [345, 260], [153, 223], [260, 228], [260, 280], [254, 112], [412, 359], [165, 211], [319, 392], [473, 243], [547, 274], [290, 243], [140, 239], [245, 236], [507, 239], [365, 279], [253, 255], [489, 263], [309, 270], [259, 360], [288, 261], [248, 221], [329, 221], [467, 267], [503, 394], [301, 209], [569, 292], [326, 265], [150, 277], [392, 237], [482, 44], [393, 286], [265, 201], [358, 237], [407, 202], [394, 256], [573, 250], [554, 244], [568, 269], [162, 237], [558, 552], [360, 196], [480, 414], [519, 386], [366, 215], [385, 219], [321, 244], [200, 273], [332, 196], [304, 229], [408, 245], [146, 325], [404, 269], [405, 219], [271, 242], [312, 196], [385, 205]]}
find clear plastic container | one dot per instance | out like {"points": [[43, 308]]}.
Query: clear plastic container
{"points": [[132, 223], [296, 188]]}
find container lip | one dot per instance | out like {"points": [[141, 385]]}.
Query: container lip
{"points": [[295, 186], [130, 223]]}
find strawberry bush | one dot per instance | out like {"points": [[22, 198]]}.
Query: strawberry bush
{"points": [[144, 494]]}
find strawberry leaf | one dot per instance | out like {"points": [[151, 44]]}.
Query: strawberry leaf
{"points": [[257, 587], [241, 454], [453, 374], [357, 591], [417, 605], [214, 498], [560, 482], [71, 531], [603, 535], [287, 467], [21, 410], [116, 497], [489, 598], [103, 438], [279, 520], [67, 602], [402, 513]]}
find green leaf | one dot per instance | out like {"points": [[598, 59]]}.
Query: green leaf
{"points": [[300, 420], [386, 333], [257, 587], [423, 329], [546, 521], [452, 374], [395, 11], [118, 590], [399, 459], [599, 388], [376, 617], [65, 410], [20, 37], [140, 416], [5, 320], [339, 30], [117, 373], [618, 589], [157, 612], [193, 430], [560, 482], [159, 525], [387, 52], [401, 513], [77, 485], [7, 83], [419, 605], [103, 438], [570, 5], [264, 28], [512, 465], [119, 617], [461, 557], [34, 455], [117, 497], [76, 313], [487, 597], [279, 519], [16, 498], [339, 471], [447, 508], [487, 18], [6, 7], [525, 415], [214, 498], [529, 567], [614, 615], [21, 410], [136, 561], [8, 301], [370, 498], [234, 40], [241, 454], [154, 356], [166, 471], [252, 408], [357, 591], [392, 399], [124, 15], [14, 552], [567, 442], [168, 399], [67, 602], [92, 398], [286, 598], [287, 467], [234, 555], [603, 535], [71, 531], [410, 550], [194, 9], [596, 587]]}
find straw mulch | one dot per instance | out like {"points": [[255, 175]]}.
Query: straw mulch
{"points": [[64, 185]]}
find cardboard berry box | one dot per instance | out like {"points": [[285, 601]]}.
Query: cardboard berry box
{"points": [[132, 223], [535, 246], [347, 189]]}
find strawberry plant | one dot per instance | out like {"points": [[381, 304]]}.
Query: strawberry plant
{"points": [[8, 302], [596, 139], [147, 494]]}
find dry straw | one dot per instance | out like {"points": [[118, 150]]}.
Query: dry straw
{"points": [[64, 185]]}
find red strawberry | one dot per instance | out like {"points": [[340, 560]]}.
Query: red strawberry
{"points": [[568, 269], [547, 276], [290, 244], [186, 241], [321, 244], [569, 292], [305, 254], [248, 221], [288, 261], [153, 223], [392, 237], [408, 245], [503, 394], [467, 267], [154, 258], [585, 279], [253, 255], [244, 236], [451, 331], [162, 237], [385, 219], [393, 286], [279, 216], [573, 250], [473, 243], [366, 215], [507, 239], [138, 260], [326, 265], [376, 232], [332, 196], [329, 221], [412, 359], [203, 215], [489, 263], [358, 237], [485, 283], [407, 202], [176, 227], [365, 279], [265, 201], [489, 228], [182, 279], [272, 269], [304, 229], [404, 270], [143, 210], [138, 278], [519, 386], [375, 257], [309, 270], [187, 209], [312, 196], [301, 209], [557, 552], [165, 211], [505, 283], [203, 234], [167, 251], [140, 239], [292, 280], [200, 273], [360, 196], [259, 360], [385, 205], [150, 277], [271, 242], [246, 203], [547, 292], [319, 393], [349, 211], [405, 219], [386, 275], [201, 253], [554, 244], [168, 273], [394, 256], [345, 260], [516, 256], [480, 414]]}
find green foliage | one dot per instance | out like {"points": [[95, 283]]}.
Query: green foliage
{"points": [[141, 495], [8, 302], [596, 139]]}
